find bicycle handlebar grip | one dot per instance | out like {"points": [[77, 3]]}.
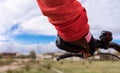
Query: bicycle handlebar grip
{"points": [[64, 56], [67, 55]]}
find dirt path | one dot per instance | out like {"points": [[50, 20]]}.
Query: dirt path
{"points": [[10, 67], [56, 70]]}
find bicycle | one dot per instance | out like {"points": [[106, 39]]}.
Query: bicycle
{"points": [[105, 37]]}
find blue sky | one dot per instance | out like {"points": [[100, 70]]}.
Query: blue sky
{"points": [[32, 39], [28, 38], [22, 22]]}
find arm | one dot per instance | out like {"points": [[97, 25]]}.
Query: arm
{"points": [[68, 17], [60, 11]]}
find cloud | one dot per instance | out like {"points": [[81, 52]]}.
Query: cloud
{"points": [[2, 37], [104, 15], [25, 13], [20, 17], [11, 12], [25, 49], [24, 16], [39, 25]]}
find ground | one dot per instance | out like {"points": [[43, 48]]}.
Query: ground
{"points": [[50, 66]]}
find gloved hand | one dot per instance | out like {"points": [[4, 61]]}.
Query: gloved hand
{"points": [[86, 55]]}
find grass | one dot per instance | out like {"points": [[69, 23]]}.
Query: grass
{"points": [[71, 67], [5, 62], [86, 67]]}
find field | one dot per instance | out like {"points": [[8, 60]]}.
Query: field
{"points": [[48, 66], [89, 67]]}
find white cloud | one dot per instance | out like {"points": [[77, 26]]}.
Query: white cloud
{"points": [[27, 14], [104, 15], [3, 37], [26, 48], [39, 25]]}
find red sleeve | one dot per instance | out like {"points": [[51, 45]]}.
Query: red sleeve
{"points": [[67, 16], [60, 11]]}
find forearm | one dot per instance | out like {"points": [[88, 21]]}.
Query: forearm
{"points": [[60, 11], [53, 3], [68, 17]]}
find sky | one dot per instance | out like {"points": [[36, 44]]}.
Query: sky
{"points": [[24, 28]]}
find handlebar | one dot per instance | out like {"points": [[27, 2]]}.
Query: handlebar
{"points": [[111, 45], [68, 55]]}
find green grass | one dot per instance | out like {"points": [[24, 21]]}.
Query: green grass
{"points": [[30, 71], [86, 67], [5, 62], [71, 67]]}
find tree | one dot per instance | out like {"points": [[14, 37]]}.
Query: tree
{"points": [[32, 54]]}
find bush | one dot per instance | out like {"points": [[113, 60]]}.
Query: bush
{"points": [[18, 71], [61, 62], [40, 69], [6, 62], [21, 57], [0, 56], [9, 71], [27, 67], [48, 66], [90, 61], [32, 54]]}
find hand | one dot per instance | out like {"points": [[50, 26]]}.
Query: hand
{"points": [[86, 55]]}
